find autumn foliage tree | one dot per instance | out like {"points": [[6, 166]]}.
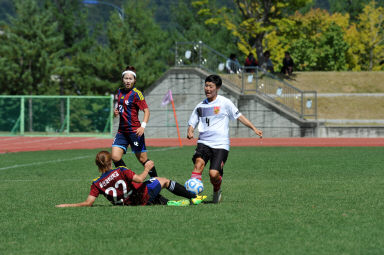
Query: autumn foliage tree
{"points": [[251, 21], [367, 38]]}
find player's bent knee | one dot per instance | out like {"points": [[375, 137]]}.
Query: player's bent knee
{"points": [[214, 174], [116, 158], [164, 182], [117, 153]]}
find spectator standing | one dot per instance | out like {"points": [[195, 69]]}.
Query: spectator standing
{"points": [[232, 65], [251, 62], [267, 63]]}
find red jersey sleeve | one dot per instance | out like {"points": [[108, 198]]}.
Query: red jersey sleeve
{"points": [[94, 191], [142, 104], [140, 100]]}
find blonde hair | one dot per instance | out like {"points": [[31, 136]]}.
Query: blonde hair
{"points": [[103, 161]]}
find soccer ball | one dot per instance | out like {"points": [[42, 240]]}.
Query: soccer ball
{"points": [[194, 185]]}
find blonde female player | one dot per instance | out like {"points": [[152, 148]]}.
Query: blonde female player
{"points": [[129, 101]]}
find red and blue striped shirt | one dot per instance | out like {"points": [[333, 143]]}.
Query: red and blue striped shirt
{"points": [[129, 102]]}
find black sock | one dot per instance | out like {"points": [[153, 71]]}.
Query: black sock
{"points": [[153, 172], [119, 163], [161, 200], [180, 190]]}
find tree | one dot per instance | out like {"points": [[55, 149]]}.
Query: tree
{"points": [[251, 21], [332, 49], [72, 24], [315, 40], [137, 40], [353, 7], [188, 26], [370, 45], [30, 49]]}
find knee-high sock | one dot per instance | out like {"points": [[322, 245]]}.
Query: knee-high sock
{"points": [[153, 172], [216, 184], [179, 190], [119, 163]]}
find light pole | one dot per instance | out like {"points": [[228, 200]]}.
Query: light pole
{"points": [[120, 11]]}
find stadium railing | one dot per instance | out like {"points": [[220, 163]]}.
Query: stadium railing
{"points": [[248, 80], [56, 115]]}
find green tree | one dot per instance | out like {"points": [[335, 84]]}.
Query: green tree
{"points": [[315, 40], [72, 25], [188, 26], [30, 49], [136, 41], [332, 50], [353, 7], [251, 21]]}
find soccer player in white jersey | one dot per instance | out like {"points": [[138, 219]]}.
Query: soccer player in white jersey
{"points": [[212, 118]]}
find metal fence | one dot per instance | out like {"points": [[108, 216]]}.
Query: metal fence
{"points": [[249, 80], [53, 115]]}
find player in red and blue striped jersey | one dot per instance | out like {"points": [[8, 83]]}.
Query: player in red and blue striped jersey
{"points": [[129, 102], [122, 186]]}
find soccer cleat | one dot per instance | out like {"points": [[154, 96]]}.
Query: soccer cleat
{"points": [[198, 199], [183, 202], [217, 196]]}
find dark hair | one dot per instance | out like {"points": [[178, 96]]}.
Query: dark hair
{"points": [[130, 68], [103, 161], [267, 53], [214, 79], [232, 56]]}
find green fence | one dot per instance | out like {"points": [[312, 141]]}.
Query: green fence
{"points": [[56, 115]]}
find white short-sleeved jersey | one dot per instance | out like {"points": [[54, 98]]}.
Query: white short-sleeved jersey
{"points": [[212, 119]]}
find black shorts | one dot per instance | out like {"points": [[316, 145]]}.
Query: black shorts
{"points": [[218, 157]]}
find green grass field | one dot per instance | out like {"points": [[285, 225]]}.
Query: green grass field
{"points": [[276, 200]]}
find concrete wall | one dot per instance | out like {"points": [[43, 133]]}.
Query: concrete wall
{"points": [[351, 131], [187, 85]]}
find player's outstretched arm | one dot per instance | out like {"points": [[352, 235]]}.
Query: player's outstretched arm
{"points": [[190, 132], [89, 202], [249, 124], [141, 177]]}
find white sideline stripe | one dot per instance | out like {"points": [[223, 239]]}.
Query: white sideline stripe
{"points": [[44, 162], [69, 159], [44, 180], [165, 149]]}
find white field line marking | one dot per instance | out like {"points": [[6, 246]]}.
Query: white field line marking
{"points": [[44, 180], [44, 162], [55, 140], [69, 159]]}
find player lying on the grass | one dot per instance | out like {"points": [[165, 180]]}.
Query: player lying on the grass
{"points": [[212, 117], [121, 186]]}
